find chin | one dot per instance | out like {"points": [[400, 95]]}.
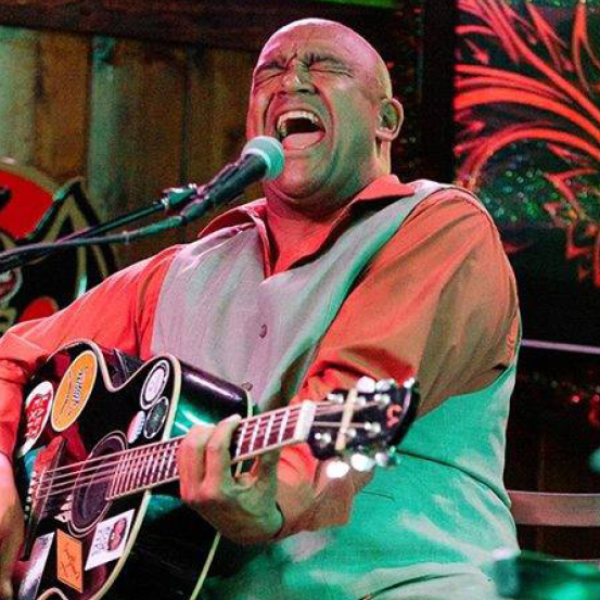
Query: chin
{"points": [[294, 190]]}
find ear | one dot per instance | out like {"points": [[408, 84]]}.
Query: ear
{"points": [[391, 116]]}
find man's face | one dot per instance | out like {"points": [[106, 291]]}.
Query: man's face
{"points": [[317, 89]]}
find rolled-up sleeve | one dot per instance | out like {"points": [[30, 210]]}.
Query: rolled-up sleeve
{"points": [[118, 313]]}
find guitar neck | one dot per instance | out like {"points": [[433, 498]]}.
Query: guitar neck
{"points": [[152, 465]]}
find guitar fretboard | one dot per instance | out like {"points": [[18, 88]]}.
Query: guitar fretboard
{"points": [[152, 465]]}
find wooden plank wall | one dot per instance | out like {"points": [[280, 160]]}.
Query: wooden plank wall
{"points": [[132, 116]]}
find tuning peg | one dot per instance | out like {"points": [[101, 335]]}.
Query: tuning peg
{"points": [[336, 469], [361, 462], [336, 398], [365, 385], [384, 385]]}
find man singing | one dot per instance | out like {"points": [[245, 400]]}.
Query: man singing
{"points": [[340, 271]]}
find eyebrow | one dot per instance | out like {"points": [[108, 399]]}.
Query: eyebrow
{"points": [[312, 56]]}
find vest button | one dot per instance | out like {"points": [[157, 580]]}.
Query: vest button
{"points": [[263, 331]]}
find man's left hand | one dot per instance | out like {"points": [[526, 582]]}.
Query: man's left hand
{"points": [[242, 507]]}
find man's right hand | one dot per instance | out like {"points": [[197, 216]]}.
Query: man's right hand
{"points": [[11, 526]]}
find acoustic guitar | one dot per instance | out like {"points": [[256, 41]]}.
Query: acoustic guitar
{"points": [[97, 466]]}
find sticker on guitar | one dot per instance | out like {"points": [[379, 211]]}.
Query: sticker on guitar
{"points": [[37, 410], [39, 558], [69, 561], [109, 540], [155, 384], [74, 391]]}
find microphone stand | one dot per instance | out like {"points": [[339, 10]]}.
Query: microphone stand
{"points": [[262, 157], [174, 199]]}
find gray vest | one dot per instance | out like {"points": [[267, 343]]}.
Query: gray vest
{"points": [[219, 312]]}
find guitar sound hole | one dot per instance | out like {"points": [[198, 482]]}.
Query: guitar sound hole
{"points": [[93, 483]]}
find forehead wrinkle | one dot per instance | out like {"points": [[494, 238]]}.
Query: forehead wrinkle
{"points": [[373, 67]]}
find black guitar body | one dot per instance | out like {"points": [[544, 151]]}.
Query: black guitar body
{"points": [[97, 473]]}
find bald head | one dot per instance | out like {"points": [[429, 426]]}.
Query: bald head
{"points": [[325, 93], [364, 51], [368, 55]]}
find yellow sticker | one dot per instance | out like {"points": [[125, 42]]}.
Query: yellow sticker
{"points": [[74, 390], [69, 561]]}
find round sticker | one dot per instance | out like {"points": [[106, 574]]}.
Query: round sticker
{"points": [[156, 418], [37, 410], [155, 383], [74, 390], [135, 427]]}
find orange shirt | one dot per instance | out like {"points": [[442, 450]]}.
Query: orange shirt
{"points": [[438, 301]]}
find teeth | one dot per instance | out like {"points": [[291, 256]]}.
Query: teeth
{"points": [[294, 114]]}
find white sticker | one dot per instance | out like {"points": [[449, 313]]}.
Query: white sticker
{"points": [[37, 410], [35, 567], [135, 427], [109, 540], [155, 383]]}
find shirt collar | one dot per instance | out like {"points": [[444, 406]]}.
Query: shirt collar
{"points": [[387, 186], [384, 188]]}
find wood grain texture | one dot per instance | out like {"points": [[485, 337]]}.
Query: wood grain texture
{"points": [[18, 66], [216, 105], [43, 100], [62, 104], [136, 119], [226, 23]]}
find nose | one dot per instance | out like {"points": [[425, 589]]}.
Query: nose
{"points": [[296, 79]]}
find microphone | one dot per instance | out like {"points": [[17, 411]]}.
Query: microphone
{"points": [[262, 158]]}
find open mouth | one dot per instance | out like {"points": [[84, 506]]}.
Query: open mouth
{"points": [[299, 129]]}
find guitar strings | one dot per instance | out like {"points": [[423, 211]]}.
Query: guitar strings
{"points": [[160, 442], [247, 427], [137, 470], [141, 464], [135, 455], [104, 471]]}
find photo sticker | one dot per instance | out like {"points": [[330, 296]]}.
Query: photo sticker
{"points": [[74, 390], [109, 540], [155, 383], [37, 410]]}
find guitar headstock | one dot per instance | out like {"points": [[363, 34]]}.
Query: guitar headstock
{"points": [[365, 424]]}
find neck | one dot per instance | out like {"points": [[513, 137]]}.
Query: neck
{"points": [[292, 230]]}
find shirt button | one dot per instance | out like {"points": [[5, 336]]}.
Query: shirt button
{"points": [[263, 331]]}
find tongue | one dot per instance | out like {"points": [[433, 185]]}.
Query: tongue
{"points": [[299, 141]]}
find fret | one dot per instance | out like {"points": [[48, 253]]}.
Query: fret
{"points": [[269, 427], [283, 425], [241, 436], [136, 465], [172, 471], [255, 425], [116, 480], [160, 464], [129, 471], [148, 465], [139, 469], [259, 442], [171, 455]]}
